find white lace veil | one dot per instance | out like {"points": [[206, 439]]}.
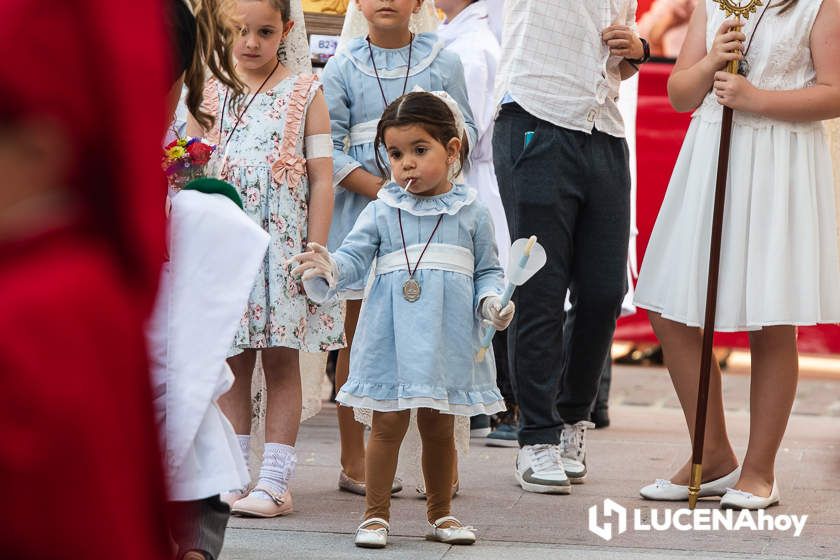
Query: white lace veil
{"points": [[294, 52], [457, 168], [355, 24]]}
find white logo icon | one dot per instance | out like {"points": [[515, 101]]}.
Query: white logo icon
{"points": [[611, 509]]}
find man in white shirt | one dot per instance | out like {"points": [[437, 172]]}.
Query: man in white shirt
{"points": [[563, 171]]}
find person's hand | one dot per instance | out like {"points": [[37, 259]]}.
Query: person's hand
{"points": [[735, 91], [315, 262], [727, 45], [623, 42], [491, 311]]}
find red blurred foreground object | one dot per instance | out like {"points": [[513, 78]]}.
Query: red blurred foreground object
{"points": [[79, 460]]}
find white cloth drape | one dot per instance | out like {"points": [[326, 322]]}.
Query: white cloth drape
{"points": [[215, 253]]}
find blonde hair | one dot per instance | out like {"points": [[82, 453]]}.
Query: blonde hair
{"points": [[214, 53]]}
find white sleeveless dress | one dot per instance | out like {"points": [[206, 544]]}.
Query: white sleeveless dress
{"points": [[779, 259]]}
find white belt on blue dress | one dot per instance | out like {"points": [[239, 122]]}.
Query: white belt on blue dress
{"points": [[363, 133], [439, 256]]}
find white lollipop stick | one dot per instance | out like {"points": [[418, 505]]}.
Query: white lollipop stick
{"points": [[527, 257]]}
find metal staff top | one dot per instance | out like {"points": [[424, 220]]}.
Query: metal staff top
{"points": [[739, 9]]}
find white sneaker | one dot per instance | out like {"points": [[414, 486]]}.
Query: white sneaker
{"points": [[573, 450], [738, 499], [539, 469], [372, 538], [667, 491]]}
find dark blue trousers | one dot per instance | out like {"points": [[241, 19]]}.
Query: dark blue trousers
{"points": [[572, 190]]}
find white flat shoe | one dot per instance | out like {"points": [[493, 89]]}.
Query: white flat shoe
{"points": [[738, 499], [666, 491], [372, 538], [450, 535]]}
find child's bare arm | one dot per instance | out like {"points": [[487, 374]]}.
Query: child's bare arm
{"points": [[193, 128], [361, 182], [694, 73], [320, 172]]}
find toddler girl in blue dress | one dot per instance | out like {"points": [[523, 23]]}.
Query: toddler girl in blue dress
{"points": [[437, 279], [387, 49]]}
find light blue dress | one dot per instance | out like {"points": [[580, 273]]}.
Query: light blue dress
{"points": [[356, 104], [422, 354]]}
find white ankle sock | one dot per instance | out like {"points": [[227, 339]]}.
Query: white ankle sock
{"points": [[277, 469], [245, 446]]}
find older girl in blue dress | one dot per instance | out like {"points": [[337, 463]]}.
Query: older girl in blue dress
{"points": [[437, 278], [387, 50]]}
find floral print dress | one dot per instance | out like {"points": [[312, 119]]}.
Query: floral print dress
{"points": [[264, 160]]}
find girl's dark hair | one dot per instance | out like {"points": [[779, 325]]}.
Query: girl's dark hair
{"points": [[282, 6], [422, 109], [182, 30]]}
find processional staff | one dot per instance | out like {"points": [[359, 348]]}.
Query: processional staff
{"points": [[739, 10]]}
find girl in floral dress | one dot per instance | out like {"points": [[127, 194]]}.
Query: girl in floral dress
{"points": [[277, 151]]}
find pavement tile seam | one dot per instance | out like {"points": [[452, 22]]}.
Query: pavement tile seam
{"points": [[485, 546]]}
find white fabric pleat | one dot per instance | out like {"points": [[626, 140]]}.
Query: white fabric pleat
{"points": [[779, 259]]}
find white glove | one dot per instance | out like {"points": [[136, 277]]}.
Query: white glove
{"points": [[491, 311], [316, 262]]}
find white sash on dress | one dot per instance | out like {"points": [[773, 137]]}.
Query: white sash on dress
{"points": [[439, 256]]}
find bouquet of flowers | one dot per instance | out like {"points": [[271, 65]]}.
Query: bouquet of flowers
{"points": [[184, 159]]}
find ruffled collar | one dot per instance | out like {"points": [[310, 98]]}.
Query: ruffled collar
{"points": [[447, 203], [391, 63]]}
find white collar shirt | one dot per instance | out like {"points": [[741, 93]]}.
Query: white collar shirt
{"points": [[555, 65]]}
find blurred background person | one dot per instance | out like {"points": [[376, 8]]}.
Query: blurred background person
{"points": [[466, 32], [665, 26]]}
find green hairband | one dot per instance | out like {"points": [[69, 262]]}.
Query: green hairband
{"points": [[209, 185]]}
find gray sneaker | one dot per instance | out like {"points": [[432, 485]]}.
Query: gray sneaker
{"points": [[573, 450], [505, 435], [539, 469]]}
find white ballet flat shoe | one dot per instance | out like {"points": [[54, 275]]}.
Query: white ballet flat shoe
{"points": [[450, 535], [372, 538], [666, 491], [738, 499]]}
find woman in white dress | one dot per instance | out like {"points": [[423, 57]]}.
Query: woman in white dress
{"points": [[779, 260]]}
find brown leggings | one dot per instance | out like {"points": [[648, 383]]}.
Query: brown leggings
{"points": [[437, 432]]}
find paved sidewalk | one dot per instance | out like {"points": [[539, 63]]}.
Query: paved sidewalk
{"points": [[647, 440], [817, 395]]}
